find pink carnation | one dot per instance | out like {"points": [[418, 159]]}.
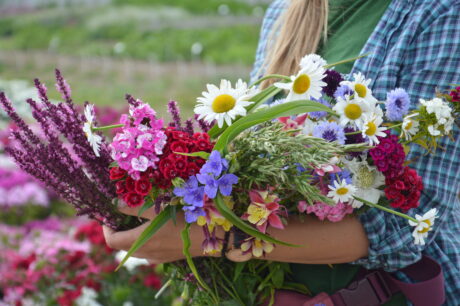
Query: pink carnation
{"points": [[137, 147], [333, 213]]}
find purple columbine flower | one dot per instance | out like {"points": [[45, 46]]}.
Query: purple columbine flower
{"points": [[397, 104], [215, 164], [223, 184], [320, 114], [329, 131], [342, 91], [192, 213], [191, 192]]}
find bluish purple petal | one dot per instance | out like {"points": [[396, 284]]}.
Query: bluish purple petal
{"points": [[192, 213]]}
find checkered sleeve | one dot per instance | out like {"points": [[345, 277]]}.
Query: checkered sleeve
{"points": [[431, 61]]}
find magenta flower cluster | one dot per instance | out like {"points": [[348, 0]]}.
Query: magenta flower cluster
{"points": [[141, 140], [333, 213], [388, 156]]}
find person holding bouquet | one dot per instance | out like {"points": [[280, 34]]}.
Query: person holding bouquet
{"points": [[410, 44]]}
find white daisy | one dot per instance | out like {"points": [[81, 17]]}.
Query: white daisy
{"points": [[314, 58], [367, 180], [361, 87], [341, 192], [423, 226], [352, 110], [409, 126], [224, 103], [306, 84], [93, 139], [371, 128]]}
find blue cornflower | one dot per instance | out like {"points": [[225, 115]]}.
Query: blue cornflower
{"points": [[329, 131], [343, 175], [211, 184], [319, 114], [215, 164], [397, 104], [192, 213], [342, 91], [191, 192]]}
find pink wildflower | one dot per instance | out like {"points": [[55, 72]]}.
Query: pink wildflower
{"points": [[264, 210]]}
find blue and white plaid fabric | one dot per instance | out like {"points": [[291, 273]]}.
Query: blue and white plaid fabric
{"points": [[416, 46]]}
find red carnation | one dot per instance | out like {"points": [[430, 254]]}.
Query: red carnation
{"points": [[404, 190], [179, 135], [133, 199], [455, 95], [130, 184], [68, 297], [143, 187], [117, 173], [179, 146], [121, 187], [152, 281]]}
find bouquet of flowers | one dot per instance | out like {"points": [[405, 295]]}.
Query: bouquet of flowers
{"points": [[329, 148]]}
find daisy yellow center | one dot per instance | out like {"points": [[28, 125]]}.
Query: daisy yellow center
{"points": [[426, 229], [223, 103], [366, 177], [408, 125], [301, 84], [361, 90], [371, 129], [342, 191], [353, 111]]}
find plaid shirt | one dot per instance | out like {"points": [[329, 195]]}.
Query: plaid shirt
{"points": [[416, 46]]}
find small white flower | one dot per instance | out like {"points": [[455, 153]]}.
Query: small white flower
{"points": [[367, 180], [132, 262], [224, 103], [341, 192], [93, 139], [371, 128], [314, 58], [361, 88], [352, 110], [423, 226], [88, 297], [409, 127], [140, 164], [308, 127], [306, 84], [433, 130]]}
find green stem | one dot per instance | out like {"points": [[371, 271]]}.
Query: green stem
{"points": [[396, 125], [354, 133], [107, 127], [271, 76], [391, 211], [346, 61]]}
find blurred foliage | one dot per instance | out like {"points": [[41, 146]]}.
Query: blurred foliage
{"points": [[162, 34], [19, 215]]}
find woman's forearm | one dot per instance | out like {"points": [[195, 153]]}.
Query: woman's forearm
{"points": [[322, 242]]}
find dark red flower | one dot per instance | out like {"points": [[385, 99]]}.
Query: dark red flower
{"points": [[455, 95], [332, 79], [24, 262], [130, 184], [117, 173], [388, 156], [68, 297], [404, 190], [179, 146], [74, 258], [143, 186], [179, 135], [133, 199], [152, 281], [121, 187], [201, 136]]}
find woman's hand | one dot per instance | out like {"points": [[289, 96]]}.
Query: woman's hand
{"points": [[165, 245]]}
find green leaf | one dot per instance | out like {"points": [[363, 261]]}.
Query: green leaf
{"points": [[113, 164], [228, 214], [149, 203], [239, 266], [203, 155], [285, 109], [278, 277], [352, 59], [185, 235], [153, 227]]}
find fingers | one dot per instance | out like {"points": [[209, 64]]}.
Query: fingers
{"points": [[123, 240], [134, 211]]}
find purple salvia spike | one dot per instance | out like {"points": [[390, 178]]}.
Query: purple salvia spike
{"points": [[174, 111], [42, 91], [63, 87], [202, 124], [131, 100], [189, 127]]}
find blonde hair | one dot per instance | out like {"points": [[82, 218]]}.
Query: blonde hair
{"points": [[301, 29]]}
